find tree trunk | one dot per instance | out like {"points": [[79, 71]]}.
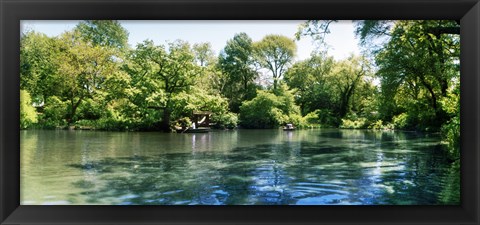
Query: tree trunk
{"points": [[432, 93], [165, 125], [245, 84], [73, 111]]}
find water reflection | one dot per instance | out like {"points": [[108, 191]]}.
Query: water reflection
{"points": [[267, 167]]}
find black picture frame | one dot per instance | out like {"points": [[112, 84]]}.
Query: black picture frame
{"points": [[12, 11]]}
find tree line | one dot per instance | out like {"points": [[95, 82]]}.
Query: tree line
{"points": [[406, 78]]}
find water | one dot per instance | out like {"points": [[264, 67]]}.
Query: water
{"points": [[242, 167]]}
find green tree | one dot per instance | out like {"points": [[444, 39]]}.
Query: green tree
{"points": [[275, 53], [28, 114], [204, 54], [309, 79], [346, 78], [405, 77], [197, 99], [73, 69], [39, 58], [451, 129], [84, 71], [333, 89], [106, 33], [270, 109], [159, 74], [235, 62], [210, 78]]}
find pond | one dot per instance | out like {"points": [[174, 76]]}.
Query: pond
{"points": [[236, 167]]}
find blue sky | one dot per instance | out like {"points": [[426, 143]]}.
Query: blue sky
{"points": [[341, 40]]}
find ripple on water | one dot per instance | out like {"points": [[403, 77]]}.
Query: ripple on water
{"points": [[172, 192], [323, 200], [303, 189]]}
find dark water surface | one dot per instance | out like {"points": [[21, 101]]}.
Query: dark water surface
{"points": [[305, 167]]}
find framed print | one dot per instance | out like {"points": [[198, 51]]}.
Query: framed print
{"points": [[248, 112]]}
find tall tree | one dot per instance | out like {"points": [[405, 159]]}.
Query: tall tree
{"points": [[83, 72], [163, 73], [346, 77], [275, 53], [39, 57], [109, 33], [204, 55], [210, 77], [403, 67], [235, 62], [310, 80]]}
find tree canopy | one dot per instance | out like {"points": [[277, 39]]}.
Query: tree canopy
{"points": [[275, 53], [236, 63], [107, 33]]}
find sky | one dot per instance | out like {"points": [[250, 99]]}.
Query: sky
{"points": [[341, 39]]}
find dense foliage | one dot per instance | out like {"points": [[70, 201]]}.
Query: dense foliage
{"points": [[270, 109], [28, 115], [235, 63]]}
